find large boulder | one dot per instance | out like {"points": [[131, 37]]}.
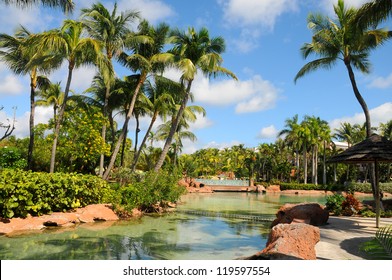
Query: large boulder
{"points": [[289, 242], [309, 213]]}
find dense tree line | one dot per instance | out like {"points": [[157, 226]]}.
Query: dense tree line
{"points": [[83, 135]]}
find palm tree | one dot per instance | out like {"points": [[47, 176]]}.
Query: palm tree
{"points": [[65, 5], [147, 45], [386, 129], [111, 30], [160, 101], [51, 95], [68, 43], [181, 133], [342, 39], [292, 138], [193, 51], [374, 12], [22, 57]]}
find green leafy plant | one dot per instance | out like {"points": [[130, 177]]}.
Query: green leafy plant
{"points": [[334, 203], [379, 248], [38, 193], [150, 190]]}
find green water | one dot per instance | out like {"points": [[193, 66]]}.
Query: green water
{"points": [[171, 236]]}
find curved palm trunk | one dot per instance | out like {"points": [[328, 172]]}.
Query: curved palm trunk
{"points": [[359, 98], [173, 128], [373, 166], [122, 134], [137, 155], [60, 119], [33, 85]]}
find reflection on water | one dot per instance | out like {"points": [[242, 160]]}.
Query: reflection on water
{"points": [[172, 236]]}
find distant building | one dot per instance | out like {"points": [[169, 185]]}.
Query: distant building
{"points": [[340, 145]]}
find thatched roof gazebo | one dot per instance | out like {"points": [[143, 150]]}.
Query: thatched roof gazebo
{"points": [[374, 149]]}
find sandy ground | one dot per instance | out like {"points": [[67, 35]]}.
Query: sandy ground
{"points": [[341, 237]]}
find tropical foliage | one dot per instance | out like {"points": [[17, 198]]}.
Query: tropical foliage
{"points": [[89, 132], [380, 247]]}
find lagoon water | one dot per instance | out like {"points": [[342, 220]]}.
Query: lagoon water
{"points": [[204, 227]]}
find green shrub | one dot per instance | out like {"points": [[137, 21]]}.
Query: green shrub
{"points": [[350, 205], [334, 203], [367, 188], [298, 186], [11, 157], [150, 189], [36, 193]]}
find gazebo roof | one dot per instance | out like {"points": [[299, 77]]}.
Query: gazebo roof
{"points": [[374, 148]]}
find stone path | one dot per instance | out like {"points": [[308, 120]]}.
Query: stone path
{"points": [[341, 237]]}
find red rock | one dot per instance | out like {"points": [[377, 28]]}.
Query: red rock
{"points": [[290, 242], [96, 212], [273, 188], [311, 213], [91, 213]]}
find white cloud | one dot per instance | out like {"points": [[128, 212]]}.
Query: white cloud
{"points": [[222, 145], [200, 123], [81, 77], [268, 132], [10, 85], [251, 95], [255, 12], [42, 115], [327, 5], [381, 82], [380, 114], [152, 10]]}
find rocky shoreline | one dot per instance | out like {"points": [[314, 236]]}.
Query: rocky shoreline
{"points": [[88, 214]]}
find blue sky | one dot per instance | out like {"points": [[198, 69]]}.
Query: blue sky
{"points": [[263, 39]]}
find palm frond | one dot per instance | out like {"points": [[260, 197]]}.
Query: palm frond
{"points": [[380, 248], [325, 63]]}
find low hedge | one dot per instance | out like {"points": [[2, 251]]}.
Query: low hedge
{"points": [[350, 187], [298, 186], [367, 188], [38, 193]]}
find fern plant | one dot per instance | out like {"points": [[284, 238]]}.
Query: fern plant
{"points": [[380, 248]]}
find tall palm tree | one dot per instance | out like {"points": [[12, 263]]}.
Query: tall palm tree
{"points": [[342, 39], [22, 57], [147, 45], [160, 101], [65, 5], [292, 138], [194, 50], [111, 30], [68, 43]]}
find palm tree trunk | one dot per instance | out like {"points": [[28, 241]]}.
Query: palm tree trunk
{"points": [[173, 128], [60, 118], [122, 134], [137, 155], [373, 167], [124, 143], [359, 98], [103, 133], [305, 166], [33, 85], [324, 165]]}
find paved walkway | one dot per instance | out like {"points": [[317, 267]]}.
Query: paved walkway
{"points": [[341, 237]]}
